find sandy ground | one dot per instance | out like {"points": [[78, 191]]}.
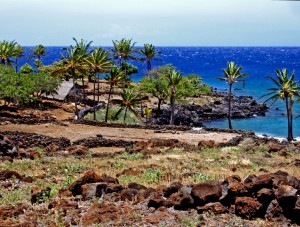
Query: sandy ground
{"points": [[78, 131]]}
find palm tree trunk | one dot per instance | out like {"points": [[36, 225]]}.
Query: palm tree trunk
{"points": [[172, 103], [125, 114], [108, 101], [291, 118], [94, 98], [16, 65], [159, 106], [83, 90], [75, 95], [148, 65], [289, 137], [229, 106]]}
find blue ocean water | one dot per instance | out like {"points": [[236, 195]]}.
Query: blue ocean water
{"points": [[208, 62]]}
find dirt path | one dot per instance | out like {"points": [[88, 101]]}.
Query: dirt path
{"points": [[78, 131]]}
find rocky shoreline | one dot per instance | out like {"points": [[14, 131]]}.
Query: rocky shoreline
{"points": [[194, 115]]}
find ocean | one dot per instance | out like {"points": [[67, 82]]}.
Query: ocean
{"points": [[208, 62]]}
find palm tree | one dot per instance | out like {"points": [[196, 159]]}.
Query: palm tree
{"points": [[85, 49], [128, 101], [38, 53], [99, 62], [149, 53], [123, 50], [286, 89], [114, 78], [232, 74], [18, 52], [175, 80], [7, 51], [73, 63]]}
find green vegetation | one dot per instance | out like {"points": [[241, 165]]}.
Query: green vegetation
{"points": [[286, 89], [231, 76], [149, 52], [26, 87]]}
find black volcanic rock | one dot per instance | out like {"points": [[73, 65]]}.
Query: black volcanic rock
{"points": [[194, 115]]}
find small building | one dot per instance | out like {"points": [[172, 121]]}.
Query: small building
{"points": [[65, 92]]}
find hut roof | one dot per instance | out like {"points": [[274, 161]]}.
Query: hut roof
{"points": [[62, 91]]}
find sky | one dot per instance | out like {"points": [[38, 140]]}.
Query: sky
{"points": [[159, 22]]}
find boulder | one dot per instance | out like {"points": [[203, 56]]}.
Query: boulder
{"points": [[247, 207], [157, 201], [206, 192], [128, 194], [231, 188], [99, 213], [93, 190], [254, 184], [265, 196], [173, 188], [90, 177], [207, 143], [182, 200], [286, 196], [274, 212], [216, 208]]}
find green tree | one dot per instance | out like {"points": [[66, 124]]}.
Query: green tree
{"points": [[25, 89], [18, 53], [286, 89], [149, 52], [73, 63], [114, 78], [123, 50], [232, 74], [129, 100], [99, 62], [175, 81], [38, 53], [158, 87], [7, 52]]}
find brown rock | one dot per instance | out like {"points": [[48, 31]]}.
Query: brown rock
{"points": [[206, 192], [93, 190], [11, 211], [286, 196], [90, 177], [207, 143], [182, 200], [173, 188], [216, 208], [136, 186], [274, 147], [231, 188], [247, 207], [39, 195], [157, 201], [257, 183], [52, 148], [7, 174], [296, 213], [114, 188], [274, 212], [100, 213], [128, 194], [63, 204], [77, 150], [265, 196]]}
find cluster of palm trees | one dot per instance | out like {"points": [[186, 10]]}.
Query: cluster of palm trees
{"points": [[81, 60], [286, 89]]}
